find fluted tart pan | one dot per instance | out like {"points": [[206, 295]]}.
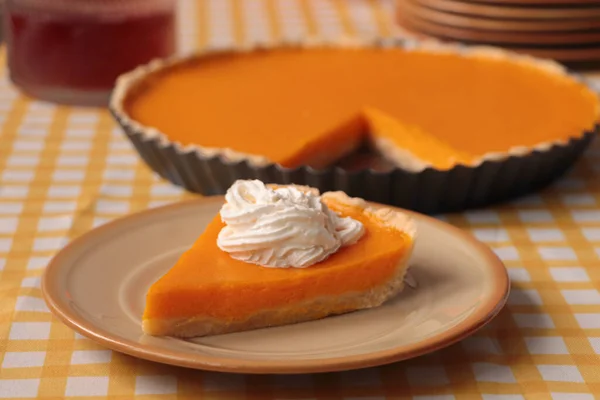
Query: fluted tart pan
{"points": [[493, 178]]}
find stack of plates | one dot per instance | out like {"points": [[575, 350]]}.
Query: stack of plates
{"points": [[565, 30]]}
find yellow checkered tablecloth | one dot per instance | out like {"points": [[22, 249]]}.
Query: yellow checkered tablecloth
{"points": [[65, 170]]}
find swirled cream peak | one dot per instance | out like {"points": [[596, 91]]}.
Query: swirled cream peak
{"points": [[282, 227]]}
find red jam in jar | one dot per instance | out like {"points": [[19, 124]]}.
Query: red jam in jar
{"points": [[72, 51]]}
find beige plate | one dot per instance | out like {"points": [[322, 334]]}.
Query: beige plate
{"points": [[506, 38], [97, 286], [539, 3], [507, 12], [413, 9], [423, 29]]}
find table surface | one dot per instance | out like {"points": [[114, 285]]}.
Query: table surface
{"points": [[66, 170]]}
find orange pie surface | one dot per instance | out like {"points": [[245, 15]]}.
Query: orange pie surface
{"points": [[311, 106], [207, 285]]}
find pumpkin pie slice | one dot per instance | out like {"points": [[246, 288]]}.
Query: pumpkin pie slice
{"points": [[208, 292]]}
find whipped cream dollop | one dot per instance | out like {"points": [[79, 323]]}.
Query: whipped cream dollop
{"points": [[283, 227]]}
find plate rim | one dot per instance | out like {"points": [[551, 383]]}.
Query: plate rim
{"points": [[483, 314]]}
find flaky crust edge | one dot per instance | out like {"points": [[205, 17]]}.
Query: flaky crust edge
{"points": [[309, 310]]}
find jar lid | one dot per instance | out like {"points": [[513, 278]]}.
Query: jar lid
{"points": [[97, 7]]}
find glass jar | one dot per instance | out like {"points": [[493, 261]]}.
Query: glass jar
{"points": [[71, 51]]}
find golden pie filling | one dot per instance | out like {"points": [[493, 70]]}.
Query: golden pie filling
{"points": [[312, 106]]}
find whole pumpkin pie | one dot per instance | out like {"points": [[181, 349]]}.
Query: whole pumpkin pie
{"points": [[280, 255], [418, 107]]}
